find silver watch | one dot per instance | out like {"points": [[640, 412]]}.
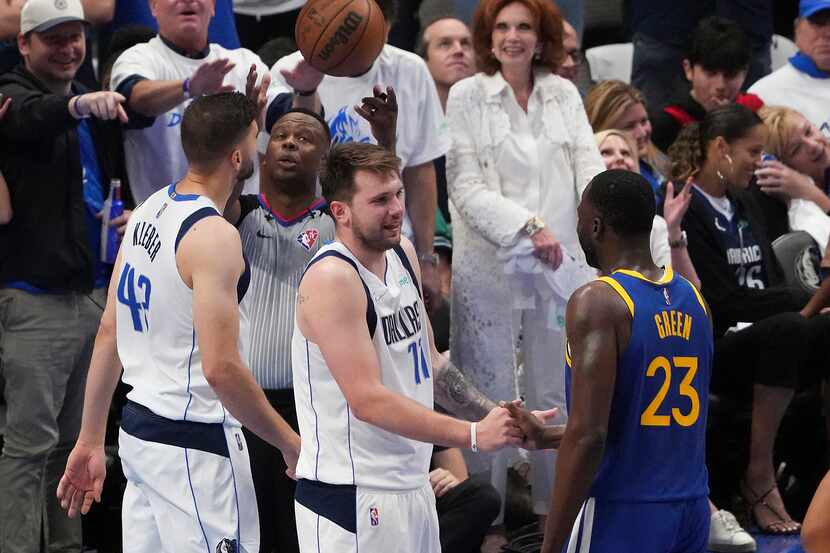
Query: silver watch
{"points": [[428, 257], [533, 225], [681, 242]]}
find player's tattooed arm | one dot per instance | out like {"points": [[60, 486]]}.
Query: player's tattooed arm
{"points": [[455, 393]]}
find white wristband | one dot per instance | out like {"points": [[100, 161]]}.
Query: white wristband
{"points": [[473, 442]]}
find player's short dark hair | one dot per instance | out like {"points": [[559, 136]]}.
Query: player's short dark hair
{"points": [[389, 9], [624, 200], [719, 45], [344, 160], [214, 124]]}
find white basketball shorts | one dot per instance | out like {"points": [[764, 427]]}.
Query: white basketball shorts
{"points": [[189, 486], [351, 519]]}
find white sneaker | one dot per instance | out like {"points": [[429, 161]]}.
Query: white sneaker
{"points": [[727, 536]]}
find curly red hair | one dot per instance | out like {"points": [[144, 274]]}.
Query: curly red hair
{"points": [[548, 26]]}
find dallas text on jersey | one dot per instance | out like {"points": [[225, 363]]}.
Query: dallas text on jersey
{"points": [[403, 324]]}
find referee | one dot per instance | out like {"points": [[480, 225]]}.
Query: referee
{"points": [[281, 230]]}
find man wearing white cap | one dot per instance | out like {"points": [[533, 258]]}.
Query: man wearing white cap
{"points": [[52, 283]]}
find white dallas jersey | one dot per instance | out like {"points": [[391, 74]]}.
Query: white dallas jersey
{"points": [[337, 448], [154, 153], [156, 338]]}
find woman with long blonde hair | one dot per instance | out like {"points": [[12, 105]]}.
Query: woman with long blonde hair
{"points": [[616, 105]]}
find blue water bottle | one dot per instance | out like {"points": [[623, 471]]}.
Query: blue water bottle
{"points": [[113, 208]]}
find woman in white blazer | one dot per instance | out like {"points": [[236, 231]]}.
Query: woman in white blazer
{"points": [[522, 153]]}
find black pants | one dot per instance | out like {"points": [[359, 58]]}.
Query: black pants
{"points": [[274, 490], [255, 31], [465, 513], [785, 350]]}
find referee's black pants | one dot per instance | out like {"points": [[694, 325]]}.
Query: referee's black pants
{"points": [[274, 490]]}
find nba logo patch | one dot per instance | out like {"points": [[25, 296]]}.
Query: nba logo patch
{"points": [[666, 295], [308, 238], [227, 545], [374, 516]]}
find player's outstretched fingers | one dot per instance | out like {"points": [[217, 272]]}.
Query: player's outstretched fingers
{"points": [[250, 81], [65, 492], [75, 503], [88, 498]]}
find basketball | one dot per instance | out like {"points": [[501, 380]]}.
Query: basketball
{"points": [[341, 38]]}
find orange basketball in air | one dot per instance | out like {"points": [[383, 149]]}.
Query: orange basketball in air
{"points": [[340, 37]]}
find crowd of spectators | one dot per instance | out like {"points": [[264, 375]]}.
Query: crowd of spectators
{"points": [[497, 143]]}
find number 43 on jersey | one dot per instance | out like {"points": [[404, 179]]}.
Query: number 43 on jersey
{"points": [[135, 294]]}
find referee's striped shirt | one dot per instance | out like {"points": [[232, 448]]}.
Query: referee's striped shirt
{"points": [[278, 250]]}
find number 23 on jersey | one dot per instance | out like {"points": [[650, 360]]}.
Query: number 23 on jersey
{"points": [[662, 367]]}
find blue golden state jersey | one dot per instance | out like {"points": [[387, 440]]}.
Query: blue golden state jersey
{"points": [[656, 444]]}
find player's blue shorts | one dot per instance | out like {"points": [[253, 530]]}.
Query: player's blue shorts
{"points": [[615, 527]]}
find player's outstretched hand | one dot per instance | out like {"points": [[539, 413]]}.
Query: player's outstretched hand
{"points": [[497, 430], [258, 94], [304, 77], [381, 111], [83, 480], [532, 424]]}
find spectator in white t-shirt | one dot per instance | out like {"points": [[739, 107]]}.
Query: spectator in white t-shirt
{"points": [[422, 134], [258, 21], [804, 83], [160, 77]]}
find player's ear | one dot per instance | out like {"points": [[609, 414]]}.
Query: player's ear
{"points": [[597, 228], [339, 210]]}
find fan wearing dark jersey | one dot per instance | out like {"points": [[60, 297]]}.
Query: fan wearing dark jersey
{"points": [[631, 472], [781, 350]]}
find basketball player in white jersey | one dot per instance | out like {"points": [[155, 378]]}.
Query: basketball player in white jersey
{"points": [[364, 364], [173, 319]]}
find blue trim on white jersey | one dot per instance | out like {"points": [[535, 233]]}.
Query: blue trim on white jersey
{"points": [[236, 499], [142, 423], [191, 220], [195, 506], [189, 361], [311, 401], [349, 436], [318, 533], [176, 197]]}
